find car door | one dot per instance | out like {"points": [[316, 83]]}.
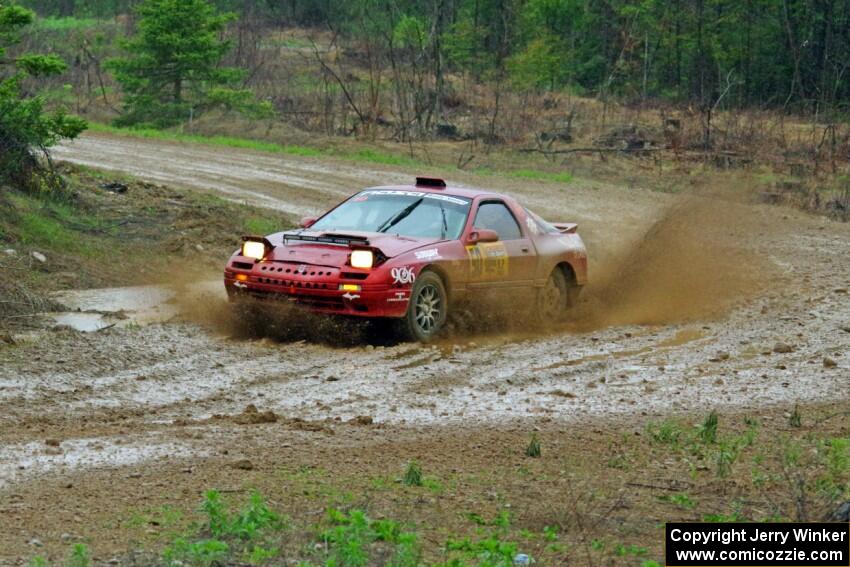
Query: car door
{"points": [[509, 262]]}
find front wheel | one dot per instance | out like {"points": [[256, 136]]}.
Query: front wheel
{"points": [[554, 298], [428, 308]]}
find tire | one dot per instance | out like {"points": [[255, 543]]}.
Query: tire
{"points": [[427, 310], [554, 298]]}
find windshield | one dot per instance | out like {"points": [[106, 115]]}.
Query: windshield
{"points": [[408, 213]]}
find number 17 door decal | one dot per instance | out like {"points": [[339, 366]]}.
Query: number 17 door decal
{"points": [[487, 260]]}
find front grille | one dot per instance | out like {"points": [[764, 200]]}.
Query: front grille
{"points": [[297, 284], [293, 269], [309, 301]]}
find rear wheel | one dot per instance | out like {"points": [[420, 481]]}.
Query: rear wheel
{"points": [[428, 308]]}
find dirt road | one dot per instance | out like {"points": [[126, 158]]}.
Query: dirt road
{"points": [[697, 304]]}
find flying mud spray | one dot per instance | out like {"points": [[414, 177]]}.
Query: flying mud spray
{"points": [[697, 260]]}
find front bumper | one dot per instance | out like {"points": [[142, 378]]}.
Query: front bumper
{"points": [[322, 296]]}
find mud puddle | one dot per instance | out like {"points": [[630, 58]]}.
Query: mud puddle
{"points": [[93, 310]]}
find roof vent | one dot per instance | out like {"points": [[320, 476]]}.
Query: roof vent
{"points": [[430, 182]]}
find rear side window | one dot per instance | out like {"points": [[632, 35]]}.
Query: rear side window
{"points": [[496, 216]]}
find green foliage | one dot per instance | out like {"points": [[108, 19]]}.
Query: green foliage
{"points": [[172, 69], [410, 32], [490, 550], [795, 419], [683, 501], [79, 557], [203, 552], [225, 533], [26, 128], [413, 474], [708, 429], [533, 448], [351, 537], [68, 23], [665, 433]]}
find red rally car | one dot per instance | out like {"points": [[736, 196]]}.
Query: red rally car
{"points": [[412, 253]]}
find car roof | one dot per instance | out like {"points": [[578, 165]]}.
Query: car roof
{"points": [[468, 192]]}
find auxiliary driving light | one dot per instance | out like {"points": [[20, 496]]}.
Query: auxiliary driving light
{"points": [[362, 259], [253, 249]]}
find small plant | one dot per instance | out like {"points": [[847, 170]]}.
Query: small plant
{"points": [[80, 556], [707, 432], [226, 534], [622, 550], [665, 433], [533, 449], [683, 501], [205, 552], [795, 419], [349, 539], [413, 474], [38, 561]]}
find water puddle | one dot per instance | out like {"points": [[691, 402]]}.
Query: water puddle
{"points": [[92, 310]]}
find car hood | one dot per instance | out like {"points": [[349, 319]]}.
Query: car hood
{"points": [[334, 254]]}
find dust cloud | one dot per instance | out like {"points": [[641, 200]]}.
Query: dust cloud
{"points": [[697, 261]]}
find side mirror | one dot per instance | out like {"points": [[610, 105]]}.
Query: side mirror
{"points": [[307, 222], [483, 235]]}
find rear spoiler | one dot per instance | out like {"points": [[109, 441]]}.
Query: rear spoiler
{"points": [[566, 227]]}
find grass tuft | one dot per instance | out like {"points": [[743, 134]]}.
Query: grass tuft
{"points": [[413, 474], [533, 449], [795, 419]]}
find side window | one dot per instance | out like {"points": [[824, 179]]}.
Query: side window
{"points": [[496, 216]]}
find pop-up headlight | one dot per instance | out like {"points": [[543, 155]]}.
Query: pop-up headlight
{"points": [[362, 259], [255, 247]]}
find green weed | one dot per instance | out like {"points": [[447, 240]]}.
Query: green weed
{"points": [[707, 432], [225, 533], [667, 432], [533, 448], [351, 536], [682, 501], [80, 556], [413, 474], [795, 419]]}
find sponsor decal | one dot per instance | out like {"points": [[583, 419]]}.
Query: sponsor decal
{"points": [[302, 269], [431, 254], [239, 285], [399, 296], [349, 296], [488, 260], [403, 275], [437, 196]]}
